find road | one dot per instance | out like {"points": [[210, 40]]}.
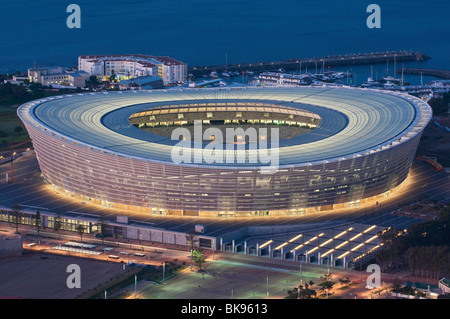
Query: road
{"points": [[224, 276]]}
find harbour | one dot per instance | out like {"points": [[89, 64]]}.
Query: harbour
{"points": [[317, 64], [444, 74]]}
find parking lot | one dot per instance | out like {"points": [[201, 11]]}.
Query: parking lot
{"points": [[44, 276]]}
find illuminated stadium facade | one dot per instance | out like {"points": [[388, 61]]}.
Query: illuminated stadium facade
{"points": [[359, 144]]}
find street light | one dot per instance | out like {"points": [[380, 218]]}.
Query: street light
{"points": [[135, 284], [301, 275], [164, 270], [12, 167]]}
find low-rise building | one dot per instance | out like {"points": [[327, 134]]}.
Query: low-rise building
{"points": [[58, 76], [142, 83], [35, 74], [17, 79], [280, 79], [20, 77], [444, 285]]}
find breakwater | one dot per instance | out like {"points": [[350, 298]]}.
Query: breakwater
{"points": [[444, 74], [313, 64]]}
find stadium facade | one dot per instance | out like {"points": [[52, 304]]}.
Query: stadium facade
{"points": [[360, 145]]}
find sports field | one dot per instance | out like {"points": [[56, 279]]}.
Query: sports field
{"points": [[225, 280]]}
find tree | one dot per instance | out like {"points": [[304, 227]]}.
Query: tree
{"points": [[345, 280], [112, 78], [18, 129], [326, 277], [326, 283], [440, 105], [37, 221], [192, 242], [396, 284], [57, 224], [302, 292], [422, 250], [94, 80], [199, 257], [17, 213], [306, 292], [101, 223], [80, 230], [292, 294]]}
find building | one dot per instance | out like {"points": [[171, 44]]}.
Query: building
{"points": [[122, 228], [35, 74], [281, 79], [207, 84], [439, 88], [129, 66], [73, 79], [342, 246], [20, 77], [444, 285], [17, 79], [58, 76], [362, 148], [142, 83]]}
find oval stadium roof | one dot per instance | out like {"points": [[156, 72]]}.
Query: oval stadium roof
{"points": [[353, 121]]}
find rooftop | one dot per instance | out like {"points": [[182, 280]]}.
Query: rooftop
{"points": [[445, 282], [354, 121], [141, 80], [149, 59]]}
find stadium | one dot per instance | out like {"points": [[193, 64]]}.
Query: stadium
{"points": [[337, 147]]}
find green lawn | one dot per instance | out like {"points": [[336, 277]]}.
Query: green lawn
{"points": [[8, 122], [7, 126]]}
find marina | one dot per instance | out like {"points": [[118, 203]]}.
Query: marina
{"points": [[311, 63]]}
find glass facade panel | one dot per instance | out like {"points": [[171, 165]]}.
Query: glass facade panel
{"points": [[113, 177]]}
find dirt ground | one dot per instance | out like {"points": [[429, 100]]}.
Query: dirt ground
{"points": [[44, 276]]}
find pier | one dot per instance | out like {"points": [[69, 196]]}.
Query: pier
{"points": [[444, 74], [314, 64]]}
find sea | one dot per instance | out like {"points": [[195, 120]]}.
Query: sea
{"points": [[207, 32]]}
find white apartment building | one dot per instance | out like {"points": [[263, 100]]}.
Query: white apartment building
{"points": [[134, 65]]}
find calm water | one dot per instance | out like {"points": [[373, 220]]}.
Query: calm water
{"points": [[201, 32]]}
